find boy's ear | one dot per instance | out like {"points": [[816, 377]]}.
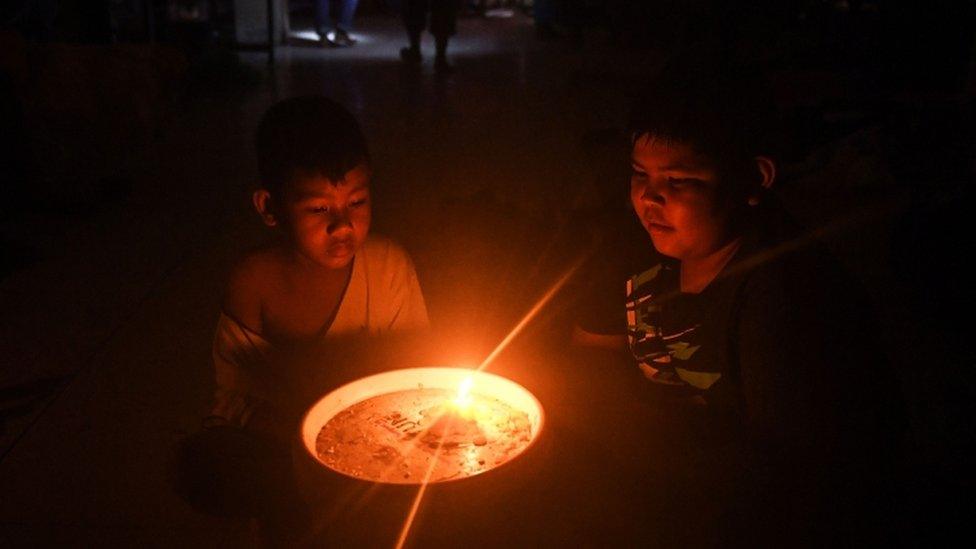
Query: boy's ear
{"points": [[262, 203], [767, 169], [767, 175]]}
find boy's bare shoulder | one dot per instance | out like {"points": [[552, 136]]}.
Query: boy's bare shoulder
{"points": [[248, 284], [256, 267]]}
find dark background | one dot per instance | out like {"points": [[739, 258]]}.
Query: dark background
{"points": [[127, 158]]}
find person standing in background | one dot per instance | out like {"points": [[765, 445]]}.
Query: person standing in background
{"points": [[334, 32], [443, 25]]}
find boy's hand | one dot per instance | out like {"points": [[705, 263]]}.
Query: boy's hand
{"points": [[658, 376]]}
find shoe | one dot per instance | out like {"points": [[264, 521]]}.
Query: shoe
{"points": [[343, 38], [411, 56], [340, 39], [328, 40], [441, 66]]}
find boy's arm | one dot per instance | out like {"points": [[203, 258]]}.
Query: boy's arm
{"points": [[234, 358], [238, 351], [812, 384], [784, 373], [612, 342], [812, 376], [242, 298], [600, 312]]}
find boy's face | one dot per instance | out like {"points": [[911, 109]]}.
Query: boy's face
{"points": [[677, 196], [326, 220]]}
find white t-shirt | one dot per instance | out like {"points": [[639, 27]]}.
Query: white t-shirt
{"points": [[383, 295]]}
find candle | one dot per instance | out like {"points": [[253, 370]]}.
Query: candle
{"points": [[395, 436], [456, 421]]}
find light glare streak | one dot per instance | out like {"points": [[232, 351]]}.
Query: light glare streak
{"points": [[533, 312], [420, 492], [466, 387]]}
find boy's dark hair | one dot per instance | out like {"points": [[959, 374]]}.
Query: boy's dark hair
{"points": [[309, 136], [724, 112]]}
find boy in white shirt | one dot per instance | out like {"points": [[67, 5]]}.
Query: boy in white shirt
{"points": [[323, 276]]}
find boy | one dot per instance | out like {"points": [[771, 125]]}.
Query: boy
{"points": [[734, 311], [323, 276]]}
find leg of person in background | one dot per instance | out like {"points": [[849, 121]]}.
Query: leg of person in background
{"points": [[415, 20], [323, 23], [440, 61], [347, 10], [443, 25]]}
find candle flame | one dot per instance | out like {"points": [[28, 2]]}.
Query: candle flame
{"points": [[463, 398]]}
